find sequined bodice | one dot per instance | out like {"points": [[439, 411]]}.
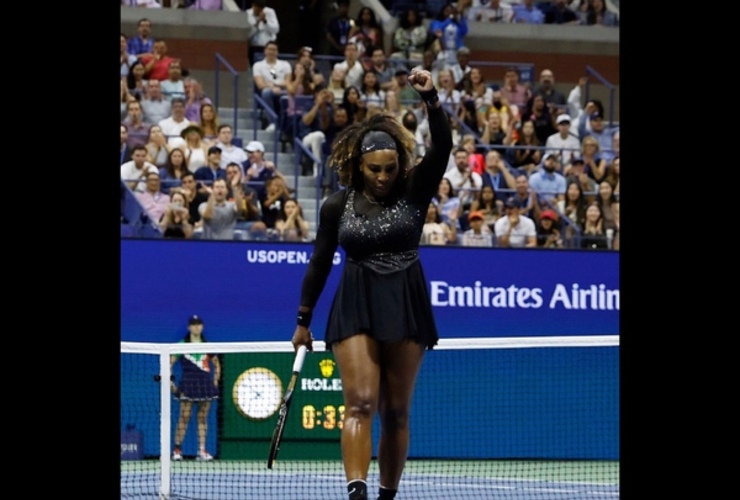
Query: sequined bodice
{"points": [[393, 229]]}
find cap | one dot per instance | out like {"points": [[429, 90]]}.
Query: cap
{"points": [[401, 70], [476, 214], [563, 118], [576, 159], [512, 203], [192, 126], [548, 214], [255, 146], [595, 116], [550, 154], [195, 320], [214, 149]]}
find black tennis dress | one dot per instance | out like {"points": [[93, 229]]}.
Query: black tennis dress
{"points": [[383, 290]]}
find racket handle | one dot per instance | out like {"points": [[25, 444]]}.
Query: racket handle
{"points": [[300, 356]]}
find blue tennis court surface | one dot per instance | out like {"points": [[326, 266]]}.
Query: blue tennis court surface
{"points": [[195, 481]]}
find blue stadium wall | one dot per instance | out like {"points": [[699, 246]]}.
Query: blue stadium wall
{"points": [[249, 291]]}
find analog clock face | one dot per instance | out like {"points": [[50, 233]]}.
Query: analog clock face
{"points": [[258, 393]]}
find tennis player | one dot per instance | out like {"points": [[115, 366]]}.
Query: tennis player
{"points": [[381, 321], [198, 387]]}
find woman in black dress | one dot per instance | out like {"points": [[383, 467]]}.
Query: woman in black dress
{"points": [[381, 321]]}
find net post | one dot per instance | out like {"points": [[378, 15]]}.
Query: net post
{"points": [[165, 430]]}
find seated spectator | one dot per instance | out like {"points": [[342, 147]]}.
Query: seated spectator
{"points": [[370, 92], [250, 215], [355, 107], [195, 148], [173, 125], [461, 68], [156, 147], [369, 34], [563, 142], [448, 29], [528, 153], [212, 170], [449, 96], [152, 199], [339, 121], [420, 131], [259, 169], [291, 224], [510, 115], [195, 98], [559, 13], [138, 129], [593, 235], [576, 111], [600, 131], [498, 175], [548, 233], [154, 106], [383, 71], [548, 182], [612, 176], [448, 203], [219, 215], [576, 172], [270, 79], [407, 96], [300, 87], [574, 208], [479, 235], [173, 170], [336, 85], [229, 152], [430, 63], [264, 27], [133, 172], [527, 13], [515, 93], [174, 85], [607, 201], [537, 111], [126, 97], [142, 43], [125, 151], [189, 188], [464, 180], [494, 134], [515, 230], [489, 205], [597, 13], [410, 38], [351, 66], [435, 231], [475, 159], [524, 195], [176, 220], [305, 57], [136, 82], [340, 28], [595, 164], [276, 193], [491, 11], [315, 122], [555, 100], [127, 59], [157, 64], [475, 88], [209, 123]]}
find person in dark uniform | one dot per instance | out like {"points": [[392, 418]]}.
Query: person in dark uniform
{"points": [[380, 323], [198, 386]]}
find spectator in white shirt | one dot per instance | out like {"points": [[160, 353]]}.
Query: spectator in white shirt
{"points": [[264, 27], [269, 76]]}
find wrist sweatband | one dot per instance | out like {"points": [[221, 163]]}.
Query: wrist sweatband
{"points": [[304, 318], [430, 97]]}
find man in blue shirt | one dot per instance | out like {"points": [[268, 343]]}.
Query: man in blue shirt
{"points": [[142, 43], [603, 133], [547, 182], [527, 13]]}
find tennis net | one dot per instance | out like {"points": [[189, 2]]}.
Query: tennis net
{"points": [[504, 418]]}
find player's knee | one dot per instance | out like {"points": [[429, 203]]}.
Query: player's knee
{"points": [[361, 405]]}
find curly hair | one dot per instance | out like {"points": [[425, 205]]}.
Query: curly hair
{"points": [[346, 156]]}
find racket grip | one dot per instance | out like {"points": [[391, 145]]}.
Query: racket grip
{"points": [[300, 356]]}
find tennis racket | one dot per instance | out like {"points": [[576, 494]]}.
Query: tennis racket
{"points": [[277, 434]]}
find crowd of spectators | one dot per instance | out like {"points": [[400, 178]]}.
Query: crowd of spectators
{"points": [[528, 165]]}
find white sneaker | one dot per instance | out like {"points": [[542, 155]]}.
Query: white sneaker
{"points": [[270, 128], [204, 456], [177, 455]]}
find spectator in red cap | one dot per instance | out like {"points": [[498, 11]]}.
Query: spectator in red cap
{"points": [[478, 235], [548, 233]]}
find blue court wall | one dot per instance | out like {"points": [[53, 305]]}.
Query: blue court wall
{"points": [[250, 291]]}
